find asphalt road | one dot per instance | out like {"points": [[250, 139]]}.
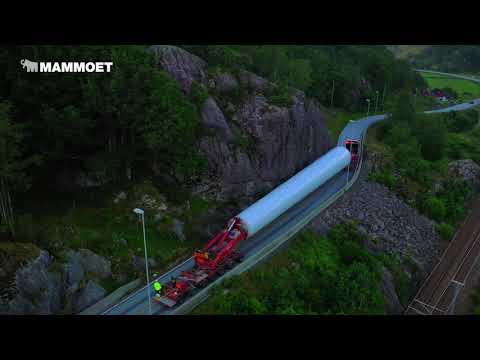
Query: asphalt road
{"points": [[137, 304]]}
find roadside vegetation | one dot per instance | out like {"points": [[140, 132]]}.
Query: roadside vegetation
{"points": [[414, 151], [332, 274], [91, 219], [476, 301]]}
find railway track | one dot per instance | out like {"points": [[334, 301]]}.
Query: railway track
{"points": [[438, 294]]}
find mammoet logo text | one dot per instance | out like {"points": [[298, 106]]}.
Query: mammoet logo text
{"points": [[70, 66]]}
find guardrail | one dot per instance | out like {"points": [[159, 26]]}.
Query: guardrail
{"points": [[142, 289], [248, 263]]}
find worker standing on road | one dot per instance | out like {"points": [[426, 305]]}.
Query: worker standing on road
{"points": [[157, 286]]}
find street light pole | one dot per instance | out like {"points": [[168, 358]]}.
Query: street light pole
{"points": [[149, 300], [333, 91], [383, 96]]}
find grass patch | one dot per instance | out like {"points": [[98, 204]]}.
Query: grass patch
{"points": [[337, 119], [465, 89], [317, 275], [113, 230]]}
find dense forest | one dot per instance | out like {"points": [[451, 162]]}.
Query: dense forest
{"points": [[54, 123], [416, 150], [449, 58], [319, 69], [115, 125]]}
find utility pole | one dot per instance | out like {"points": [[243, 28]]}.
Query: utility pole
{"points": [[376, 102], [333, 91], [383, 96], [141, 213]]}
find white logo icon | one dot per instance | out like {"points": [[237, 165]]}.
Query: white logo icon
{"points": [[30, 65]]}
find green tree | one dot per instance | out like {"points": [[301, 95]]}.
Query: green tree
{"points": [[299, 74], [445, 231], [120, 121], [358, 291], [12, 165], [435, 208], [403, 111], [432, 135]]}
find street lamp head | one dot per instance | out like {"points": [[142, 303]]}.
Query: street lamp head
{"points": [[138, 211]]}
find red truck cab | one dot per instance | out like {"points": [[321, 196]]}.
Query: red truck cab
{"points": [[354, 147]]}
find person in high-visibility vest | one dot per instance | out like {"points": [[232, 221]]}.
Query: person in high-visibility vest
{"points": [[157, 286]]}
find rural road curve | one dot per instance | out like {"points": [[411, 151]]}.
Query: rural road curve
{"points": [[136, 303]]}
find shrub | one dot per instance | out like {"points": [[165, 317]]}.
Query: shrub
{"points": [[198, 95], [279, 95], [445, 231], [454, 195], [463, 121], [385, 178], [434, 208]]}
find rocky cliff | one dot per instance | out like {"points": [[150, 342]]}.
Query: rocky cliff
{"points": [[39, 285], [250, 144]]}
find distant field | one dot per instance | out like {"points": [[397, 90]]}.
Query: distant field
{"points": [[466, 89], [406, 51]]}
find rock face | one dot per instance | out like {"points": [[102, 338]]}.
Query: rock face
{"points": [[178, 229], [395, 227], [252, 81], [82, 262], [182, 65], [467, 169], [88, 296], [250, 146], [121, 196], [277, 141], [38, 289], [225, 83], [212, 118], [42, 288]]}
